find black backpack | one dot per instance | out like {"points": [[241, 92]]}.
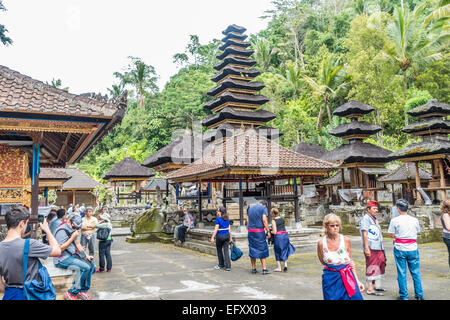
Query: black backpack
{"points": [[103, 234]]}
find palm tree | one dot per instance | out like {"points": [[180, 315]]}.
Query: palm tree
{"points": [[264, 52], [414, 43], [293, 75], [441, 12], [117, 90], [141, 77], [325, 87]]}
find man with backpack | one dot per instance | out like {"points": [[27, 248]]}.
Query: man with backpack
{"points": [[12, 252], [73, 257]]}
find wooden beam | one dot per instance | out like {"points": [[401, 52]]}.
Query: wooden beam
{"points": [[442, 176], [64, 146]]}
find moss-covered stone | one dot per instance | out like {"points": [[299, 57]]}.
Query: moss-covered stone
{"points": [[151, 221]]}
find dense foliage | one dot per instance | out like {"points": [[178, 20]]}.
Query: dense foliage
{"points": [[314, 56]]}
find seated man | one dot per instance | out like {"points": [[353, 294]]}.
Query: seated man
{"points": [[74, 258]]}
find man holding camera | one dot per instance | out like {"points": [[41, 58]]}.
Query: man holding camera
{"points": [[74, 258]]}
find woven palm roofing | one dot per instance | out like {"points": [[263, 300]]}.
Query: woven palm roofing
{"points": [[232, 114], [228, 130], [427, 125], [128, 168], [337, 179], [309, 149], [228, 97], [233, 28], [236, 61], [236, 84], [154, 184], [428, 147], [253, 153], [78, 179], [184, 149], [431, 109], [355, 128], [353, 109], [233, 42], [25, 99], [52, 174], [358, 152], [406, 172], [249, 73]]}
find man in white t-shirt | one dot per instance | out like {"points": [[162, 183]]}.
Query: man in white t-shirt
{"points": [[404, 229]]}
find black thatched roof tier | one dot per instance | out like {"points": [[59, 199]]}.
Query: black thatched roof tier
{"points": [[336, 179], [406, 172], [252, 73], [182, 150], [231, 114], [424, 127], [353, 109], [428, 147], [233, 42], [228, 97], [234, 36], [154, 184], [235, 61], [233, 51], [236, 84], [234, 28], [128, 168], [224, 130], [355, 128], [432, 108], [358, 152], [309, 149]]}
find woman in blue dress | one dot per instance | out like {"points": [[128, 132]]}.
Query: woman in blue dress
{"points": [[339, 280], [281, 244]]}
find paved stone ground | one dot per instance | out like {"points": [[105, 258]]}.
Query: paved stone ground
{"points": [[156, 271]]}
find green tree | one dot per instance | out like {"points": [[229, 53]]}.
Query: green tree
{"points": [[328, 81], [141, 76], [3, 37], [414, 44]]}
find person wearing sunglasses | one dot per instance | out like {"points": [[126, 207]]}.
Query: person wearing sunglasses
{"points": [[339, 280]]}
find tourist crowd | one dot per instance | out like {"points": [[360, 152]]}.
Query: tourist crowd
{"points": [[69, 238]]}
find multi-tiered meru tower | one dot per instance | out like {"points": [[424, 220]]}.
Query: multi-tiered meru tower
{"points": [[237, 100]]}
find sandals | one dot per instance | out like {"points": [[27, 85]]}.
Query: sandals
{"points": [[375, 293], [277, 270], [285, 269], [380, 290]]}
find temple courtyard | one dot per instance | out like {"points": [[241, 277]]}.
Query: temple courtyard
{"points": [[157, 271]]}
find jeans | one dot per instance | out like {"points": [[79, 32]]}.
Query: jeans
{"points": [[223, 252], [88, 243], [181, 233], [447, 242], [412, 260], [83, 276], [104, 251]]}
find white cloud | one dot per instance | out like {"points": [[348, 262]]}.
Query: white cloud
{"points": [[83, 42]]}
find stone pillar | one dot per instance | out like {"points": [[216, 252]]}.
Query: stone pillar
{"points": [[442, 176], [419, 200]]}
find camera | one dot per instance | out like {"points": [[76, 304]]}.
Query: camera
{"points": [[41, 218]]}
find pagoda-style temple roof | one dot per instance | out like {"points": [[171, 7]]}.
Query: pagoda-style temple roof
{"points": [[69, 125], [237, 86], [355, 128], [427, 126], [235, 29], [235, 62], [309, 149], [154, 184], [181, 151], [128, 168], [254, 117], [253, 155], [237, 73], [236, 100], [237, 52], [432, 108], [233, 42], [406, 172], [78, 179], [353, 109], [336, 179], [426, 148], [358, 152]]}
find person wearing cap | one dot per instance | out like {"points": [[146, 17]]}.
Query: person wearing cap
{"points": [[372, 240], [104, 246], [71, 258], [404, 229]]}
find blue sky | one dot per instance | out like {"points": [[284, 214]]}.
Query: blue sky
{"points": [[82, 42]]}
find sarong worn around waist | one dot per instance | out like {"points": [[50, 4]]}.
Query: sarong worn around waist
{"points": [[347, 279]]}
